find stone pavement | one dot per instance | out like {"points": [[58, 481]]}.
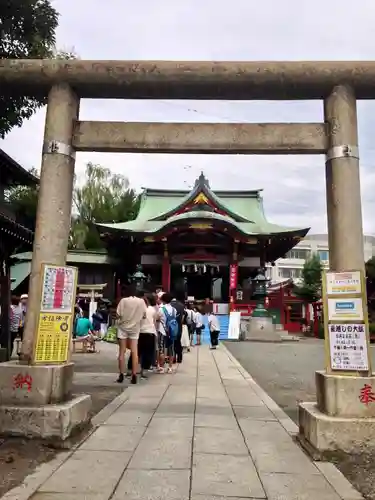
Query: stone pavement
{"points": [[207, 432]]}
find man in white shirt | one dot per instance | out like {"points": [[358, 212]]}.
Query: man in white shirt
{"points": [[214, 327]]}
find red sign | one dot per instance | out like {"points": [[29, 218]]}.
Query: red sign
{"points": [[233, 275]]}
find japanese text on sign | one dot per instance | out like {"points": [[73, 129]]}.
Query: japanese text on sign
{"points": [[58, 289], [348, 283], [348, 347], [233, 276], [54, 332]]}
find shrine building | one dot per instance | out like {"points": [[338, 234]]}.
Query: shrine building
{"points": [[209, 244]]}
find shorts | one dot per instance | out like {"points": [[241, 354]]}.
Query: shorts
{"points": [[165, 345], [124, 335]]}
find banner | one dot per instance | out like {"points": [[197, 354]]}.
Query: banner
{"points": [[233, 276]]}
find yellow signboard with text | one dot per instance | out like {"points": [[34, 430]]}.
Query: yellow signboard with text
{"points": [[53, 338]]}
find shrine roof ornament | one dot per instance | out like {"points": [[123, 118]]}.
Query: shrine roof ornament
{"points": [[201, 195]]}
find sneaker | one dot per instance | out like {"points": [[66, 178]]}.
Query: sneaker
{"points": [[133, 379], [120, 378], [170, 370]]}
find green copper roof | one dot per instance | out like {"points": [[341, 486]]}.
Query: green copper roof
{"points": [[244, 211]]}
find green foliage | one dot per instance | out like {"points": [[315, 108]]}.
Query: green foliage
{"points": [[310, 288], [24, 201], [103, 197], [27, 32]]}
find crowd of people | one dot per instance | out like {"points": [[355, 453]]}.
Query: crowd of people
{"points": [[157, 329]]}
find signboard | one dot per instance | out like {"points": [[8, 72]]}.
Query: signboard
{"points": [[53, 338], [343, 283], [234, 325], [348, 347], [58, 289], [233, 270], [346, 323], [340, 309], [55, 322]]}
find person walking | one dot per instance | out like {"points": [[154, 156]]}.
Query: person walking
{"points": [[214, 328], [190, 315], [130, 312]]}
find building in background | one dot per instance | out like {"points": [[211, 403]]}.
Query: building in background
{"points": [[291, 265]]}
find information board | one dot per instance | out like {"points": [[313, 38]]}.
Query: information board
{"points": [[343, 283], [53, 338], [58, 289], [345, 309], [346, 322], [55, 322], [348, 347]]}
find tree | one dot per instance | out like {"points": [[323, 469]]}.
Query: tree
{"points": [[27, 32], [24, 201], [103, 197], [310, 288]]}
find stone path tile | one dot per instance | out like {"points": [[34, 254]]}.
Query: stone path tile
{"points": [[297, 487], [207, 432], [114, 438], [154, 485], [226, 475], [219, 441], [88, 472]]}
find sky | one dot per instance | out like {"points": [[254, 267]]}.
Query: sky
{"points": [[294, 186]]}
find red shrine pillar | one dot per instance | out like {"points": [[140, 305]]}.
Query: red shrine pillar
{"points": [[233, 277], [166, 271]]}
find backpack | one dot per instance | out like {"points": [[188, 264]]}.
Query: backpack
{"points": [[171, 327]]}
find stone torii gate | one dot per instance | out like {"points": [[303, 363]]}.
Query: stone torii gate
{"points": [[338, 84]]}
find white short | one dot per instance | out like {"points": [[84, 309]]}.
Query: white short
{"points": [[124, 335]]}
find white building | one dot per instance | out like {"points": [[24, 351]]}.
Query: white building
{"points": [[291, 265]]}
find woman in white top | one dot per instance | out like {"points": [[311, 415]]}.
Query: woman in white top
{"points": [[146, 342]]}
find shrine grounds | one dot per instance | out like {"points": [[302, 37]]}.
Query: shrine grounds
{"points": [[287, 373]]}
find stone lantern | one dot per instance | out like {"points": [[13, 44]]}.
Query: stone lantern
{"points": [[260, 293]]}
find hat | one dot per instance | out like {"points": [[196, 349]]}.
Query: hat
{"points": [[24, 296]]}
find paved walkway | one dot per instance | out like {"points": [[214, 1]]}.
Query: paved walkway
{"points": [[207, 432]]}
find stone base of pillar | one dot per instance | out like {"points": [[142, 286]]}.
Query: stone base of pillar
{"points": [[54, 424], [37, 402], [325, 433], [35, 385], [343, 417], [262, 329]]}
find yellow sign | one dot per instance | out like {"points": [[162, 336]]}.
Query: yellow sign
{"points": [[53, 338]]}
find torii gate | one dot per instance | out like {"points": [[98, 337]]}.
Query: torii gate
{"points": [[339, 84]]}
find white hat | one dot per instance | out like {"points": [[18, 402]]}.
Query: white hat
{"points": [[24, 296]]}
